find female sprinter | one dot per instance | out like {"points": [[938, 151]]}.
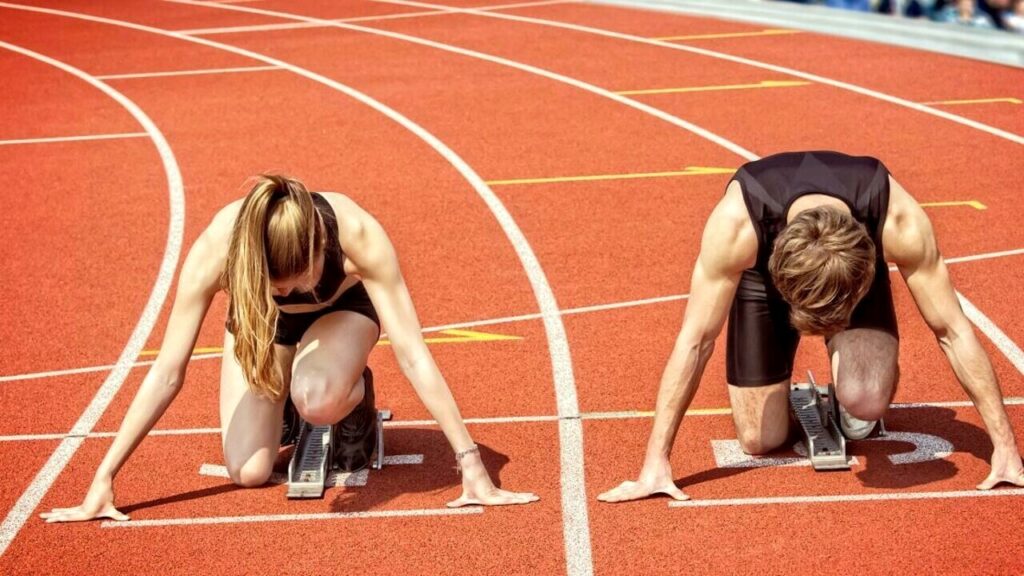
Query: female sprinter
{"points": [[307, 275]]}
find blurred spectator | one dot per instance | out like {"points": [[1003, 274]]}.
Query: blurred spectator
{"points": [[1003, 14], [862, 5]]}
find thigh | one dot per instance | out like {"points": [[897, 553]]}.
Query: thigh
{"points": [[760, 342], [761, 415], [334, 351], [250, 424]]}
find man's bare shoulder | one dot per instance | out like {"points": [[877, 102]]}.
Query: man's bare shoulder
{"points": [[907, 237], [729, 242]]}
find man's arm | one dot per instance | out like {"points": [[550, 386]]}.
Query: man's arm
{"points": [[728, 246], [910, 243]]}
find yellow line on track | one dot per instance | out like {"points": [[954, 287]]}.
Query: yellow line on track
{"points": [[972, 203], [978, 101], [688, 171], [769, 32], [762, 84]]}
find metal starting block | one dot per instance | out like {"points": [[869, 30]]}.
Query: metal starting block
{"points": [[313, 460], [817, 411], [382, 417]]}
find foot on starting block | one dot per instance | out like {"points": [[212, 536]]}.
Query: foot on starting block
{"points": [[352, 444], [816, 410]]}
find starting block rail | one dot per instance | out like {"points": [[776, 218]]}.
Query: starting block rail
{"points": [[310, 468]]}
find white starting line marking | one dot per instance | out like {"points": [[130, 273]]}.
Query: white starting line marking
{"points": [[728, 454], [292, 517], [347, 479], [847, 498]]}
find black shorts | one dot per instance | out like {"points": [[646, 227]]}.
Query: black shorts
{"points": [[291, 327], [761, 343]]}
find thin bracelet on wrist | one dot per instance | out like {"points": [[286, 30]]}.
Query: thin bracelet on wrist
{"points": [[460, 455]]}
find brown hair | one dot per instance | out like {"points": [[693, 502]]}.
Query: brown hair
{"points": [[823, 262], [277, 235]]}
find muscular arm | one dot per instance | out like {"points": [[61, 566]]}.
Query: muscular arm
{"points": [[728, 246], [910, 243]]}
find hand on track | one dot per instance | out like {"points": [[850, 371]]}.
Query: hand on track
{"points": [[493, 496], [1006, 467], [477, 488], [656, 482], [98, 503]]}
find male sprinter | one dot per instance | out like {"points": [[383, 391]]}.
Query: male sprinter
{"points": [[799, 244]]}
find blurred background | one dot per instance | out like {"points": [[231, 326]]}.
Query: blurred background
{"points": [[997, 14]]}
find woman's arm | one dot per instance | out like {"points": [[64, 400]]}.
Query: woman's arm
{"points": [[197, 284], [370, 250]]}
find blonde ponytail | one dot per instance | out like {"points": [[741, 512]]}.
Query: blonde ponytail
{"points": [[277, 235]]}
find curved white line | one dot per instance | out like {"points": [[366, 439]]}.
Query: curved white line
{"points": [[621, 99], [722, 56], [30, 499], [558, 344]]}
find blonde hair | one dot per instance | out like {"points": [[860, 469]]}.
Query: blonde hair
{"points": [[277, 235], [823, 262]]}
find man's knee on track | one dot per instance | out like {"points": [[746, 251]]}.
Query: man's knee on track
{"points": [[320, 401], [755, 443]]}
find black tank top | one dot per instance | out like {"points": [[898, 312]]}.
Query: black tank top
{"points": [[333, 275], [772, 184]]}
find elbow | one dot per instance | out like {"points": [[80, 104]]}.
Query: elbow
{"points": [[408, 361], [163, 380]]}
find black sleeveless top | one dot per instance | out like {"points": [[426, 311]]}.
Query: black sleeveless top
{"points": [[772, 184], [333, 275]]}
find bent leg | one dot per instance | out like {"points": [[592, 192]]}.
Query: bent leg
{"points": [[250, 424], [761, 416], [865, 369], [327, 376]]}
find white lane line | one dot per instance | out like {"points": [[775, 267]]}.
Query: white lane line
{"points": [[574, 505], [625, 100], [90, 369], [293, 517], [730, 58], [491, 321], [301, 25], [1004, 492], [622, 415], [986, 256], [34, 493], [84, 138], [1003, 342], [198, 72]]}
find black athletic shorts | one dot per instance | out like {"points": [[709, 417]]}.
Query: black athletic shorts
{"points": [[761, 343], [291, 327]]}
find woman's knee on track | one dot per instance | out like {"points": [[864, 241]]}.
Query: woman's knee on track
{"points": [[253, 472]]}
